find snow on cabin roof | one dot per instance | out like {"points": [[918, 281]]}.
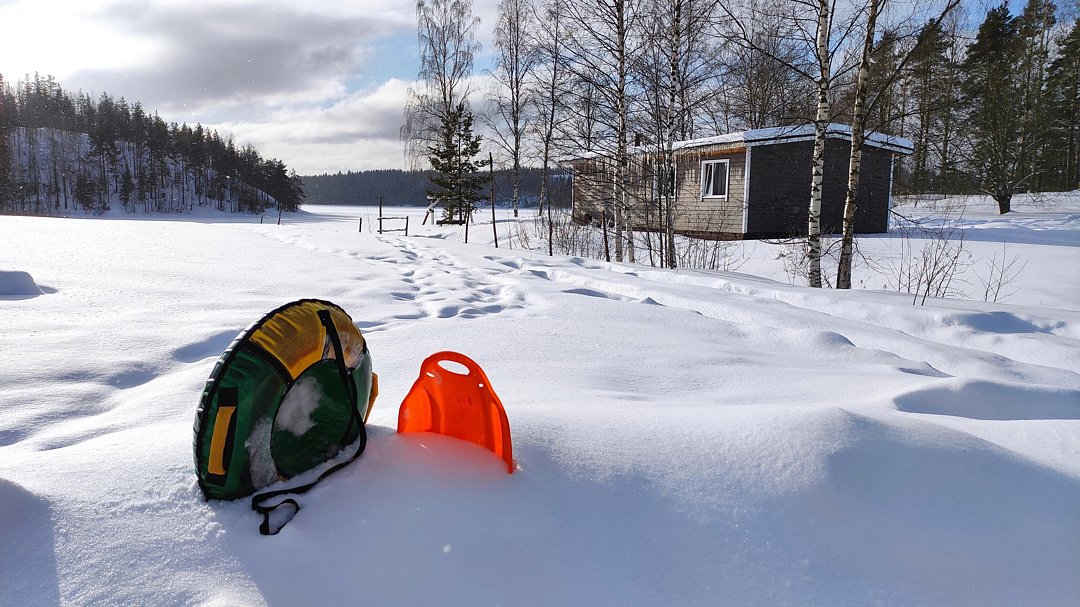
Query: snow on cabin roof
{"points": [[842, 131], [784, 134], [780, 134]]}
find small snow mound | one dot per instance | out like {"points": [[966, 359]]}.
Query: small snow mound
{"points": [[831, 339], [18, 284], [992, 401]]}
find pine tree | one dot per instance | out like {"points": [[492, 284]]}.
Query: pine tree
{"points": [[1033, 51], [103, 136], [160, 161], [85, 189], [932, 74], [127, 187], [994, 102], [296, 189], [886, 111], [457, 174], [1062, 157], [7, 110]]}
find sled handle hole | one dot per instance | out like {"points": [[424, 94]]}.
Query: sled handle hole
{"points": [[454, 367]]}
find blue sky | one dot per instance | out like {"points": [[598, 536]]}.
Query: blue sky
{"points": [[320, 85]]}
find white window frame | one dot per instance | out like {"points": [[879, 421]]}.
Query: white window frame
{"points": [[727, 179]]}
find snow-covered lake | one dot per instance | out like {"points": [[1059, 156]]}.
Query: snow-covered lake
{"points": [[682, 438]]}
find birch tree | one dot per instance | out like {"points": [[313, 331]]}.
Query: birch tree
{"points": [[761, 90], [446, 35], [546, 81], [676, 67], [823, 57], [858, 133], [815, 29], [858, 137], [601, 53], [515, 59]]}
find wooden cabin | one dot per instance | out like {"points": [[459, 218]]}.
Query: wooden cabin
{"points": [[746, 185]]}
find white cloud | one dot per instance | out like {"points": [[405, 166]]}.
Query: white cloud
{"points": [[281, 75], [357, 131], [59, 38]]}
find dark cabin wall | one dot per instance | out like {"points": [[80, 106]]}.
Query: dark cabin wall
{"points": [[875, 183], [779, 189], [872, 212], [780, 177]]}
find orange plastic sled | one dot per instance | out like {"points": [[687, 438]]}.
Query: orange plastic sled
{"points": [[462, 406]]}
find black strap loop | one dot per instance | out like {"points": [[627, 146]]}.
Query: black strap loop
{"points": [[264, 527]]}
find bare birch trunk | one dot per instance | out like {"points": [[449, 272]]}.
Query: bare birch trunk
{"points": [[549, 107], [858, 136], [617, 214], [821, 122], [668, 178], [516, 65], [621, 212]]}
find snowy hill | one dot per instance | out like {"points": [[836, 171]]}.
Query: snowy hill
{"points": [[58, 172], [682, 437]]}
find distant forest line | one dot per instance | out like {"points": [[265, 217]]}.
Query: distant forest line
{"points": [[409, 188], [62, 151]]}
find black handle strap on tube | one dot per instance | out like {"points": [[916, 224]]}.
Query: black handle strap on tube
{"points": [[257, 501], [343, 370]]}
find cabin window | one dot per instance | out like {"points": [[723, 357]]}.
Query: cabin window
{"points": [[714, 178]]}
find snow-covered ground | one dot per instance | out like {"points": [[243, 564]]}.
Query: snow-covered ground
{"points": [[682, 438]]}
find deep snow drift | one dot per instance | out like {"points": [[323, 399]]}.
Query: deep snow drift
{"points": [[14, 283], [682, 438]]}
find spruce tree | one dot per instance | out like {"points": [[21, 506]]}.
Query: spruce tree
{"points": [[456, 174]]}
